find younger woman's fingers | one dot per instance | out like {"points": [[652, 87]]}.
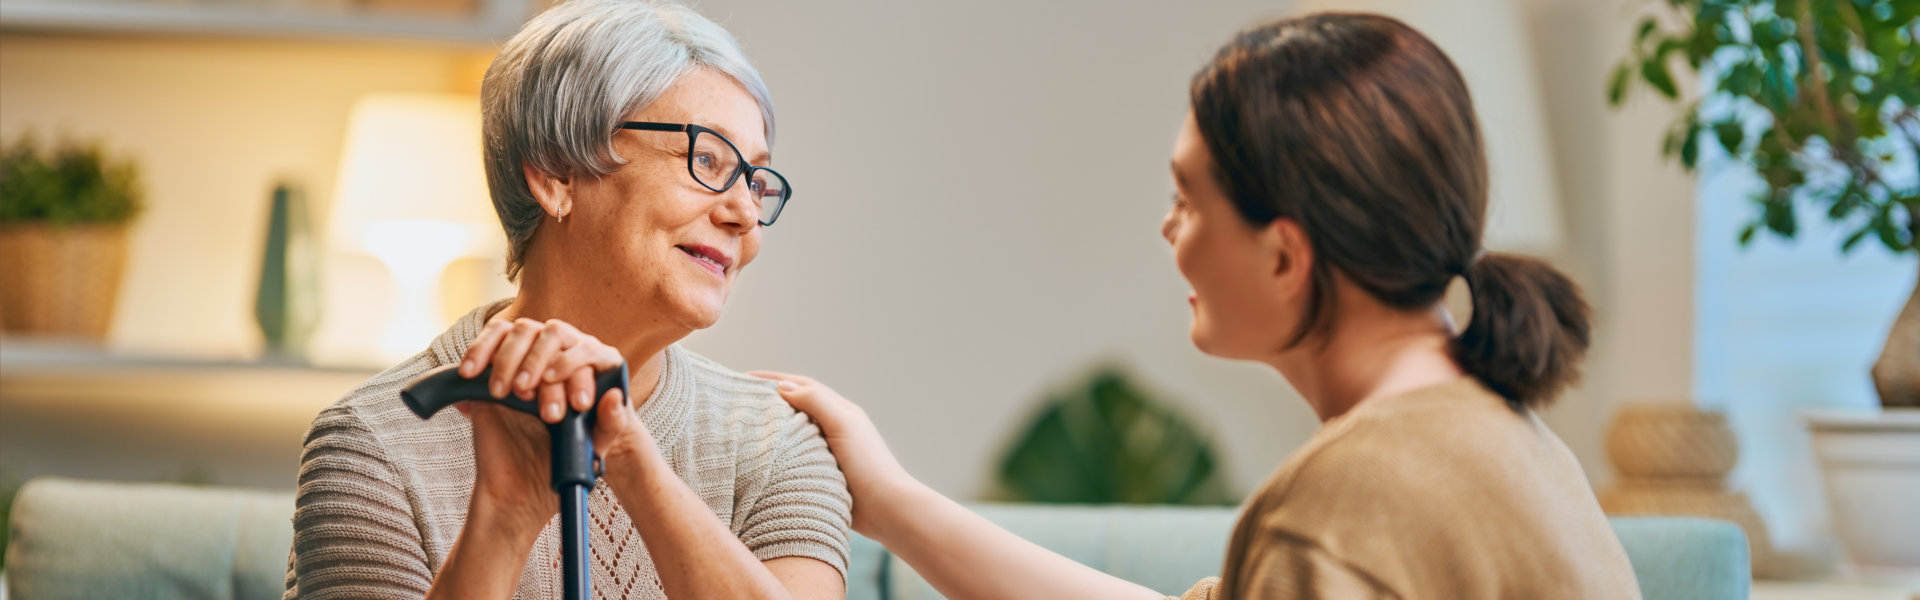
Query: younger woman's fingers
{"points": [[480, 352], [783, 377]]}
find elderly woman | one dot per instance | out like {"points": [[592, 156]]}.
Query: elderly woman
{"points": [[624, 150]]}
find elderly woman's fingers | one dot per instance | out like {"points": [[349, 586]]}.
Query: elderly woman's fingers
{"points": [[480, 352], [506, 360], [580, 389], [588, 354], [555, 337], [553, 402], [610, 406]]}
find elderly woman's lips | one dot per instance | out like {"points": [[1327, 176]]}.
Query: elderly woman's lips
{"points": [[703, 261]]}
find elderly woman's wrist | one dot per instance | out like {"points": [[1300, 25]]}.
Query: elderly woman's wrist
{"points": [[629, 469], [495, 525]]}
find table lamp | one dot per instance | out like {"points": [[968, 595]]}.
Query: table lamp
{"points": [[411, 193]]}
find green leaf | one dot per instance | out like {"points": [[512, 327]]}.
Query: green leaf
{"points": [[1617, 85], [1731, 136], [1654, 71], [1690, 149], [1890, 236], [1779, 215], [1647, 26], [1746, 233], [1854, 240]]}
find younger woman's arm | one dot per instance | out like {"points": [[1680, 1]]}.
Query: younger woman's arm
{"points": [[962, 554]]}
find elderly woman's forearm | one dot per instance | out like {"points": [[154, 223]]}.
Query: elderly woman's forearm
{"points": [[695, 554], [485, 561]]}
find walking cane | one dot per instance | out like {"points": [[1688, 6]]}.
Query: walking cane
{"points": [[575, 465]]}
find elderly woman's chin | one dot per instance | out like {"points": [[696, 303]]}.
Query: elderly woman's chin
{"points": [[696, 304]]}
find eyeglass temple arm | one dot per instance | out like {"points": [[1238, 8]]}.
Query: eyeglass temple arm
{"points": [[645, 126]]}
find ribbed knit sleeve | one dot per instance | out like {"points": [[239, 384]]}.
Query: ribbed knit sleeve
{"points": [[354, 531], [805, 508]]}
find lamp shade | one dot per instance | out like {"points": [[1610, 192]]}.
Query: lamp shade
{"points": [[410, 193], [414, 159], [1485, 40]]}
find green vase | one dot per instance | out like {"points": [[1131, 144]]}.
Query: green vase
{"points": [[287, 306]]}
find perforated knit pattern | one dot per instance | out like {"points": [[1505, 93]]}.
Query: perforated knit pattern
{"points": [[383, 494]]}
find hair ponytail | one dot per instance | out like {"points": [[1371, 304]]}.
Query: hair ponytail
{"points": [[1528, 332]]}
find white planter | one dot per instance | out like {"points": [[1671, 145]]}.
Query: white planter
{"points": [[1871, 464]]}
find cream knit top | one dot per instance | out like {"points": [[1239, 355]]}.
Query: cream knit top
{"points": [[383, 495]]}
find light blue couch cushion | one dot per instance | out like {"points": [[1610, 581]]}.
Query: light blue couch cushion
{"points": [[89, 540], [75, 539], [1167, 549], [1680, 558]]}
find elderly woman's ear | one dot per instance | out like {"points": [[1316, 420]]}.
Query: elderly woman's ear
{"points": [[554, 193]]}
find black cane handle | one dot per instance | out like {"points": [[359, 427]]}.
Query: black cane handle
{"points": [[443, 387]]}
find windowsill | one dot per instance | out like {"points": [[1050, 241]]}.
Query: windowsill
{"points": [[1831, 590]]}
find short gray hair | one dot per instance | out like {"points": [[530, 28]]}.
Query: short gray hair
{"points": [[559, 89]]}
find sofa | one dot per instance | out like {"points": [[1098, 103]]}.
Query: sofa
{"points": [[91, 540]]}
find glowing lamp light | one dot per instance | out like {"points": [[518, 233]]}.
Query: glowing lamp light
{"points": [[412, 194]]}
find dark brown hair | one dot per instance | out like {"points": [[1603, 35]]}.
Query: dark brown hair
{"points": [[1360, 130]]}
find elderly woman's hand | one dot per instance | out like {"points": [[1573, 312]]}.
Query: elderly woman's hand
{"points": [[551, 363]]}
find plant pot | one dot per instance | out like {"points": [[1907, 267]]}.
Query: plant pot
{"points": [[60, 281], [1871, 464], [1673, 458]]}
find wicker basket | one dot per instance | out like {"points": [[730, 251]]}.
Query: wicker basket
{"points": [[1671, 440], [60, 281]]}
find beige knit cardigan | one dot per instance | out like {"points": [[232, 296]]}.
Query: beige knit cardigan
{"points": [[383, 494]]}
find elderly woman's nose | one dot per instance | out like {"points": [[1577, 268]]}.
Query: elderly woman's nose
{"points": [[737, 208]]}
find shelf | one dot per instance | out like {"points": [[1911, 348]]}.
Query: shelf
{"points": [[54, 383], [494, 22]]}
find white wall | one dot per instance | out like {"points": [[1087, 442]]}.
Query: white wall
{"points": [[978, 193]]}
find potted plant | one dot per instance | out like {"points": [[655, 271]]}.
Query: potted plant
{"points": [[1820, 99], [63, 219], [1107, 441]]}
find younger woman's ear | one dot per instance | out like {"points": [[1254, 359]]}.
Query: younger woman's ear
{"points": [[554, 193], [1286, 242]]}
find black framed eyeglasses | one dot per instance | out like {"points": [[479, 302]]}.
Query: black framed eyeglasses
{"points": [[716, 163]]}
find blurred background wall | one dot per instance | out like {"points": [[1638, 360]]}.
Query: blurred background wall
{"points": [[979, 193]]}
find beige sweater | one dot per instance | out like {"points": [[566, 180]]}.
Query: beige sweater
{"points": [[383, 494], [1443, 492]]}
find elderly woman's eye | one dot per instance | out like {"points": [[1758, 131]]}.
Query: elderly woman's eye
{"points": [[704, 160]]}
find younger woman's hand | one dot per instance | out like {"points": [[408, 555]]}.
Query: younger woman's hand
{"points": [[873, 474]]}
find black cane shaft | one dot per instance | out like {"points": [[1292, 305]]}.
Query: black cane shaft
{"points": [[573, 543]]}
